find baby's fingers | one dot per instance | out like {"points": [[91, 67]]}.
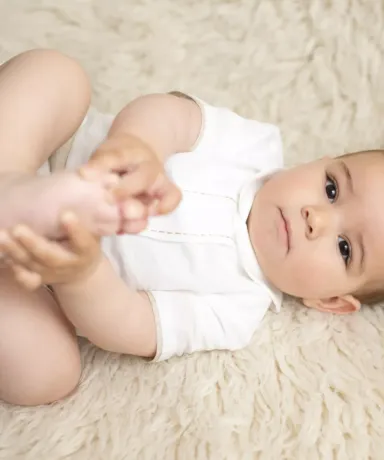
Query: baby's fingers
{"points": [[168, 199], [12, 250], [139, 181], [29, 280], [39, 249]]}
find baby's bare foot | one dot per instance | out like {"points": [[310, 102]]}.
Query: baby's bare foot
{"points": [[39, 201]]}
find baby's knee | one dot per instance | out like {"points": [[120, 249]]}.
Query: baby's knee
{"points": [[43, 386]]}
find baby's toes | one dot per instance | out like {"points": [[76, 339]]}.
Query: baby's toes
{"points": [[107, 219], [134, 216], [133, 210], [134, 226], [110, 180]]}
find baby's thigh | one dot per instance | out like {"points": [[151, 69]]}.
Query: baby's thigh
{"points": [[39, 354]]}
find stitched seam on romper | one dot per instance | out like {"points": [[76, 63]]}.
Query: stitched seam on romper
{"points": [[211, 194], [190, 234]]}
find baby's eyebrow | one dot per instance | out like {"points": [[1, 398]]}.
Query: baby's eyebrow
{"points": [[347, 174], [360, 242]]}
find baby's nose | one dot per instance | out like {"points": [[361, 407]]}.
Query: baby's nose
{"points": [[316, 219]]}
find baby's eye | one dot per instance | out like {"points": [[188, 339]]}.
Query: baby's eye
{"points": [[331, 189], [344, 248]]}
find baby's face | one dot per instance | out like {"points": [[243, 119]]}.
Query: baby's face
{"points": [[318, 229]]}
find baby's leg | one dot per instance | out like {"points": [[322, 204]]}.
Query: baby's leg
{"points": [[38, 201], [39, 355], [43, 99]]}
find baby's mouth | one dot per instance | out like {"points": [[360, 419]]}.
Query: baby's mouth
{"points": [[287, 228]]}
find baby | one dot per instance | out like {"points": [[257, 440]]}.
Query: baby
{"points": [[165, 230]]}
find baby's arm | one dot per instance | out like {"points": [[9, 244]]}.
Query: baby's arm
{"points": [[91, 294], [144, 134], [109, 313], [166, 122]]}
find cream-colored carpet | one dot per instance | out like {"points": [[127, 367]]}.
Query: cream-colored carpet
{"points": [[310, 386]]}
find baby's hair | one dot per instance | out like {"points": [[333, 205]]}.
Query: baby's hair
{"points": [[361, 152], [371, 298]]}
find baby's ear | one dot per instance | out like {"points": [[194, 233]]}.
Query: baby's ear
{"points": [[338, 305]]}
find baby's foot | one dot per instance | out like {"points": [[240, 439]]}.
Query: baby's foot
{"points": [[39, 201]]}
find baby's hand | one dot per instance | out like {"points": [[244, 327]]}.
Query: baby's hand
{"points": [[144, 188], [35, 260]]}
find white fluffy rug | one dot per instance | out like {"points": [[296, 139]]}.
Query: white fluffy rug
{"points": [[310, 386]]}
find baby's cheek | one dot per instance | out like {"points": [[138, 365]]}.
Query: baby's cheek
{"points": [[311, 277]]}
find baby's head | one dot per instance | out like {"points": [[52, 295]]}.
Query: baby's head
{"points": [[318, 231]]}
